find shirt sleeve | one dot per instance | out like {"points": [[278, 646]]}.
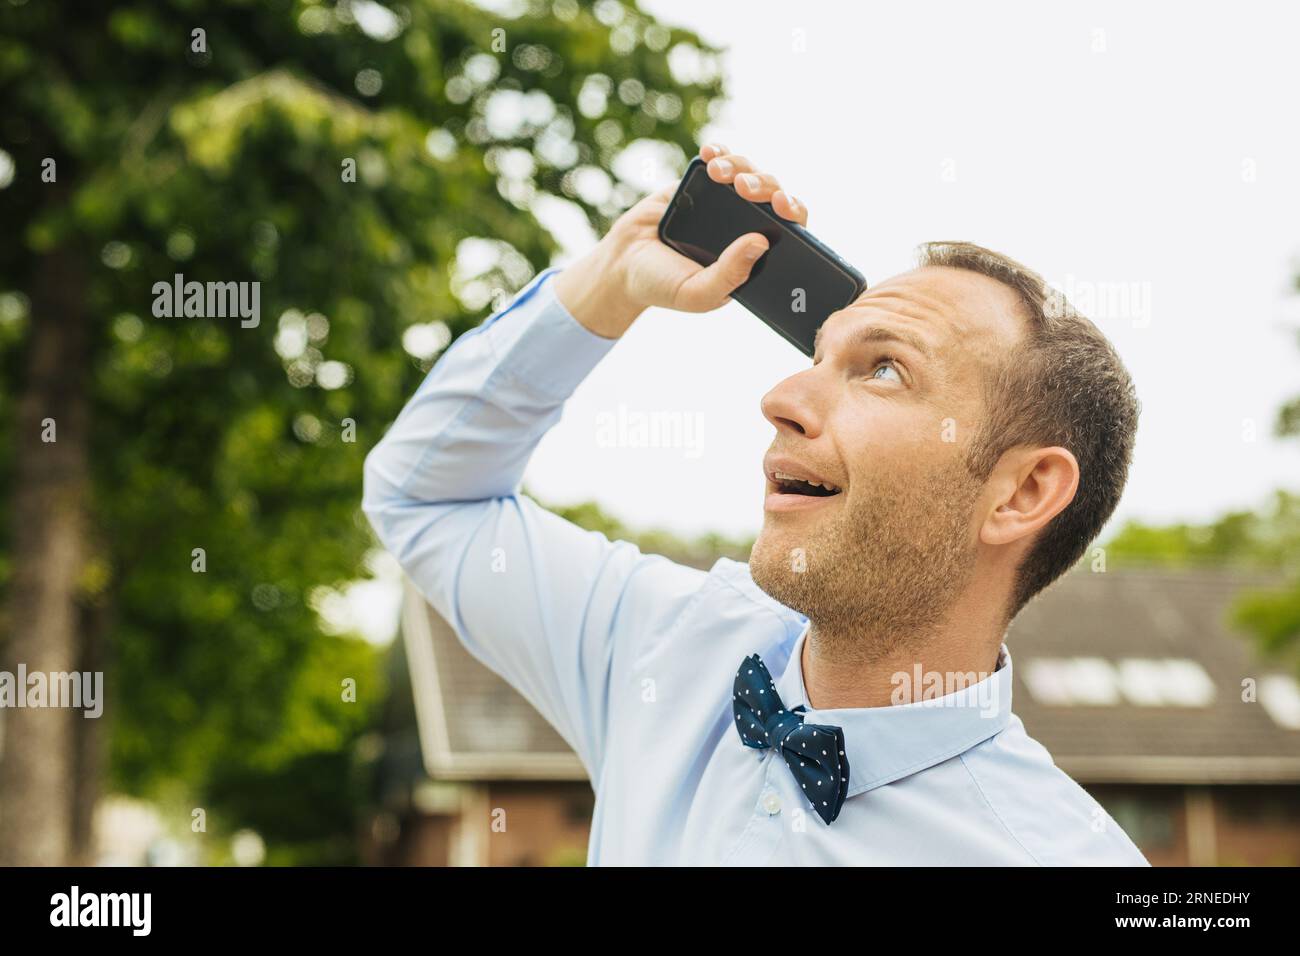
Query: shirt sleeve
{"points": [[552, 608]]}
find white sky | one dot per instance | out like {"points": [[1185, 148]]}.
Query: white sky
{"points": [[1167, 166]]}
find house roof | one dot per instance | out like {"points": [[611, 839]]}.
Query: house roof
{"points": [[1148, 615], [472, 724], [1124, 676]]}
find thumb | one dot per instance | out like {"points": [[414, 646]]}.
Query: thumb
{"points": [[710, 287]]}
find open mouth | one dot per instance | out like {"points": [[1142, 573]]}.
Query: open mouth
{"points": [[787, 484]]}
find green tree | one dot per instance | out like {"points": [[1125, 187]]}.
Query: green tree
{"points": [[378, 170], [1267, 539]]}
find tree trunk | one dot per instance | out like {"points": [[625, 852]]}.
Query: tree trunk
{"points": [[90, 735], [51, 482]]}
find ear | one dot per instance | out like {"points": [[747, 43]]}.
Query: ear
{"points": [[1031, 486]]}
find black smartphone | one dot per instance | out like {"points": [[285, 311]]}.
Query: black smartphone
{"points": [[793, 287]]}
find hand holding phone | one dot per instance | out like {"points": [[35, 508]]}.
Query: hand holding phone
{"points": [[631, 269], [797, 283]]}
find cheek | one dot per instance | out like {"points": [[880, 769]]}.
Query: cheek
{"points": [[892, 447]]}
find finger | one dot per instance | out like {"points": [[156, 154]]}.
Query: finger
{"points": [[712, 151], [757, 187], [710, 287], [662, 195], [750, 183], [787, 207], [724, 169]]}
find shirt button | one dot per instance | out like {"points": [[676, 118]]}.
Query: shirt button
{"points": [[772, 804]]}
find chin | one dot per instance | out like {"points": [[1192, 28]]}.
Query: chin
{"points": [[769, 541], [772, 567], [777, 554]]}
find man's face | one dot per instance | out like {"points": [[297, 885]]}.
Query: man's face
{"points": [[884, 416]]}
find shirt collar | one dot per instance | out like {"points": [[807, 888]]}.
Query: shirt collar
{"points": [[884, 744]]}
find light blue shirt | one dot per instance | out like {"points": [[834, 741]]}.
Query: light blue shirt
{"points": [[632, 657]]}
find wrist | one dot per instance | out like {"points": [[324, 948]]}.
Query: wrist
{"points": [[594, 291]]}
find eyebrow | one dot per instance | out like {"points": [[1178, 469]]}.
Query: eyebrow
{"points": [[877, 333]]}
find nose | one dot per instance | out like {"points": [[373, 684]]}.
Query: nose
{"points": [[792, 405]]}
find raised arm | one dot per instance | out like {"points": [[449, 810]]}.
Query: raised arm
{"points": [[551, 608]]}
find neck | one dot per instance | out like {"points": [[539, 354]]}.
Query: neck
{"points": [[861, 670]]}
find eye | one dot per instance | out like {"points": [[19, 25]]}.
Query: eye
{"points": [[890, 366]]}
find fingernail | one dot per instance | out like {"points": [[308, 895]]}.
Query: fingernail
{"points": [[750, 181], [753, 251], [724, 166]]}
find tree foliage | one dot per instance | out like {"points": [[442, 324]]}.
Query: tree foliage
{"points": [[215, 140]]}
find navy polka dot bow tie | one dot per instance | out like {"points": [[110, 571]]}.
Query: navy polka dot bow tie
{"points": [[813, 752]]}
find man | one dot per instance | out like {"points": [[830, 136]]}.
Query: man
{"points": [[959, 439]]}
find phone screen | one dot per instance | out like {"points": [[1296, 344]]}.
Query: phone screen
{"points": [[796, 284]]}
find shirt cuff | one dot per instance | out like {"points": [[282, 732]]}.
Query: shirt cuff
{"points": [[543, 349]]}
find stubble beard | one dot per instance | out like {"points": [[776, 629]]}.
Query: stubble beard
{"points": [[888, 566]]}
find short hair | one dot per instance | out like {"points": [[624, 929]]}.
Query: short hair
{"points": [[1063, 384]]}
